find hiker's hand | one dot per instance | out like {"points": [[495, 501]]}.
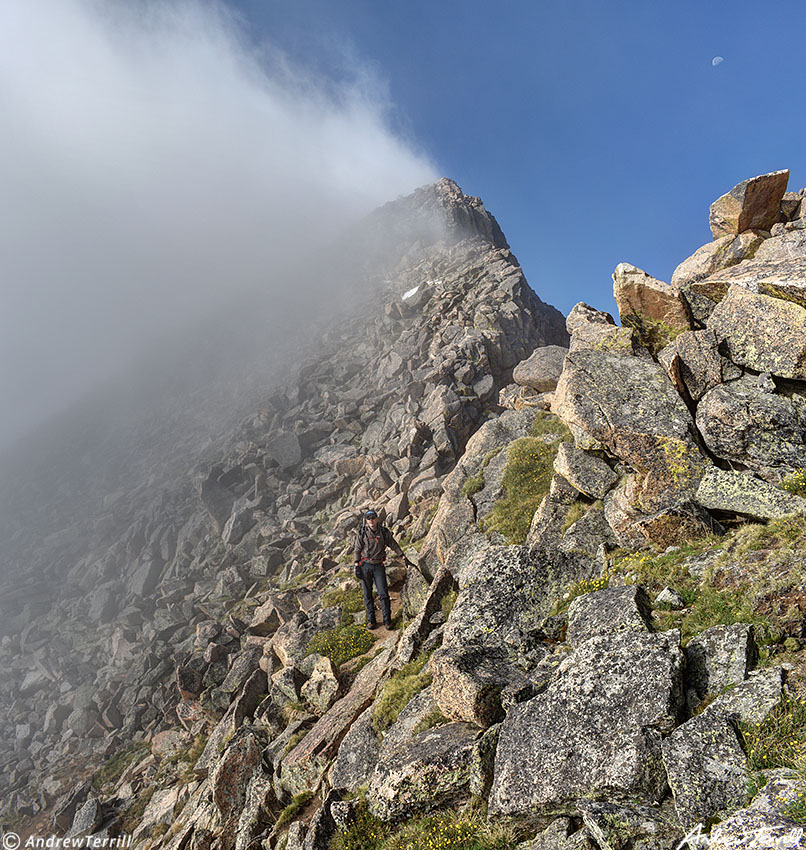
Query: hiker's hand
{"points": [[358, 571]]}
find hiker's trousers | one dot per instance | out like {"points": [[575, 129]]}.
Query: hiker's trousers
{"points": [[376, 573]]}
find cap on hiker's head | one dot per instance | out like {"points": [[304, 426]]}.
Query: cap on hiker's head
{"points": [[371, 515]]}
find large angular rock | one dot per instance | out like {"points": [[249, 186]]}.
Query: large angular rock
{"points": [[781, 278], [145, 577], [763, 823], [440, 767], [791, 208], [586, 537], [244, 665], [266, 619], [491, 438], [291, 640], [250, 696], [453, 521], [87, 820], [747, 421], [741, 493], [542, 369], [190, 675], [608, 612], [66, 808], [159, 811], [788, 247], [753, 204], [548, 521], [720, 657], [684, 520], [397, 508], [595, 732], [505, 593], [222, 732], [722, 253], [489, 639], [400, 734], [468, 682], [643, 300], [322, 687], [414, 592], [240, 522], [763, 333], [284, 447], [104, 603], [587, 473], [418, 630], [493, 588], [285, 685], [234, 770], [629, 406], [694, 364], [622, 513], [303, 767], [594, 330], [752, 700], [357, 756], [216, 497], [257, 812], [706, 766]]}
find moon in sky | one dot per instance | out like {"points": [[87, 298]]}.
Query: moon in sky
{"points": [[717, 60]]}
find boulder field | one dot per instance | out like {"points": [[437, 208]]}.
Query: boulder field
{"points": [[603, 611]]}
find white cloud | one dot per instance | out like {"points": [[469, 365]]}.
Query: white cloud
{"points": [[152, 164]]}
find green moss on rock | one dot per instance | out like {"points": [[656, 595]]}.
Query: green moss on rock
{"points": [[527, 478]]}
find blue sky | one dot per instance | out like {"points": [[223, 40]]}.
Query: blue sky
{"points": [[596, 133]]}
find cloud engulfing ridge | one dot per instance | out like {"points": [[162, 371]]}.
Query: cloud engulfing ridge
{"points": [[153, 163]]}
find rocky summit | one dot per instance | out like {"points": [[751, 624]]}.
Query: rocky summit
{"points": [[598, 638]]}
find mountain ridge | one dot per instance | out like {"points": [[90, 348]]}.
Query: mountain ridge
{"points": [[604, 627]]}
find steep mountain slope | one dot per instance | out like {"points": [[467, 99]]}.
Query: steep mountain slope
{"points": [[381, 413], [601, 645]]}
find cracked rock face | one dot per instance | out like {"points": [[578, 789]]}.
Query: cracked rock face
{"points": [[749, 422], [597, 726], [762, 332], [439, 767], [628, 406], [706, 766]]}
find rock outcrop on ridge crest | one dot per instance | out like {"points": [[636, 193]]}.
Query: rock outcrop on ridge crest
{"points": [[225, 675]]}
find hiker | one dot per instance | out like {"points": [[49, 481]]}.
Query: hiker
{"points": [[370, 554]]}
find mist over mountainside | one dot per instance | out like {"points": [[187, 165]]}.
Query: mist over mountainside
{"points": [[160, 166], [130, 522], [598, 640], [149, 424]]}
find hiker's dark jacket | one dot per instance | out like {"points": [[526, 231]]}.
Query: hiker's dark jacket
{"points": [[370, 546]]}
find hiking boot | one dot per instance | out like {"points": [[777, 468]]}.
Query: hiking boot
{"points": [[372, 625], [388, 625]]}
